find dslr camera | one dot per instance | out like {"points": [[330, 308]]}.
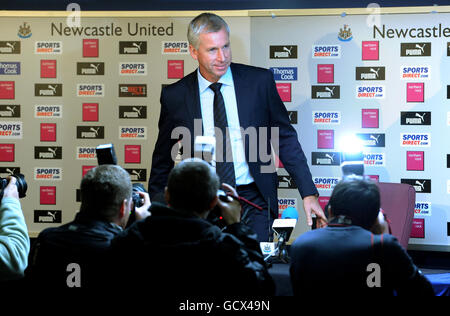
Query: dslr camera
{"points": [[20, 183]]}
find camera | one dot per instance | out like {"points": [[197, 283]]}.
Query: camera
{"points": [[215, 216], [20, 183], [135, 197]]}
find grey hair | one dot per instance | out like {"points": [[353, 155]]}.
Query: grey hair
{"points": [[205, 23]]}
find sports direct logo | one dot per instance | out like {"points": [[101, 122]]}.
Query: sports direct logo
{"points": [[47, 173], [48, 47], [422, 209], [176, 47], [370, 92], [284, 203], [374, 159], [48, 111], [326, 51], [10, 130], [133, 69], [325, 183], [132, 132], [90, 90], [86, 153], [415, 140], [415, 72], [326, 117]]}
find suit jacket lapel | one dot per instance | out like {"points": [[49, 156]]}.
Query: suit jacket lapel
{"points": [[192, 98], [243, 97], [193, 108]]}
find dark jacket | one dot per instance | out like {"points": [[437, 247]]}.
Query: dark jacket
{"points": [[84, 241], [259, 106], [175, 253], [336, 260]]}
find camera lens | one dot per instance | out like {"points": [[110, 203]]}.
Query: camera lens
{"points": [[22, 186]]}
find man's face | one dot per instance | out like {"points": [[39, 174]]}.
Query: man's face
{"points": [[213, 54]]}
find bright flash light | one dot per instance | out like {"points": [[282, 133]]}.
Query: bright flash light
{"points": [[352, 155], [350, 144]]}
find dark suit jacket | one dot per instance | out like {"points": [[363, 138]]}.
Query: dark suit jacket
{"points": [[259, 106], [335, 260]]}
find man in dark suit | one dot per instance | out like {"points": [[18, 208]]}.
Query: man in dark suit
{"points": [[239, 105], [354, 254]]}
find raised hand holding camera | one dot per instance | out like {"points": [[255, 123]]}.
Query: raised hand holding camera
{"points": [[230, 207]]}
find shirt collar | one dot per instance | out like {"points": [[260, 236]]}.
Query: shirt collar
{"points": [[226, 79]]}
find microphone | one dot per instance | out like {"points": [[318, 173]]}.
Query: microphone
{"points": [[290, 212], [284, 228], [204, 147]]}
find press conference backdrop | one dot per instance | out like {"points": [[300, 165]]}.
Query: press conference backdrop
{"points": [[66, 89]]}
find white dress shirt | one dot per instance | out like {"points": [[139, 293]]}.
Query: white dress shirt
{"points": [[241, 169]]}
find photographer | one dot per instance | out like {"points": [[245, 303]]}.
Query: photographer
{"points": [[14, 241], [106, 202], [184, 254], [352, 255]]}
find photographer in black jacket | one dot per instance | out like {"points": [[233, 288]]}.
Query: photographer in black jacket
{"points": [[105, 208], [184, 254], [354, 254]]}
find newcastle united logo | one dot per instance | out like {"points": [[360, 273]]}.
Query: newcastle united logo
{"points": [[345, 34], [24, 30]]}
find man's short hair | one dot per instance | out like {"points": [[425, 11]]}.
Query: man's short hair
{"points": [[358, 199], [192, 186], [103, 190], [205, 23]]}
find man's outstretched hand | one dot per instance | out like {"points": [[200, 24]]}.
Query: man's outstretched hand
{"points": [[311, 206]]}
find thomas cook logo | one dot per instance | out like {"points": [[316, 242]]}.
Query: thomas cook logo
{"points": [[24, 30], [345, 34]]}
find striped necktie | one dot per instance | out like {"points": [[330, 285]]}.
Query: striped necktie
{"points": [[224, 167]]}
